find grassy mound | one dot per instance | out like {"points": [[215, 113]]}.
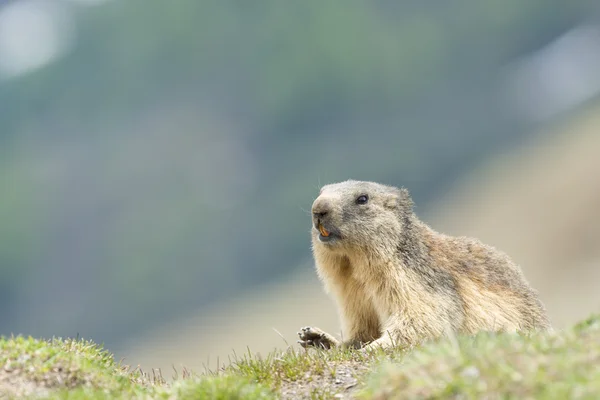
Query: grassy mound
{"points": [[79, 369], [545, 365]]}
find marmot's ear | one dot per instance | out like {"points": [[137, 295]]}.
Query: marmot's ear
{"points": [[400, 199], [405, 200]]}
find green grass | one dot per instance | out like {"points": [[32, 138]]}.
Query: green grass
{"points": [[79, 369], [564, 365], [543, 365]]}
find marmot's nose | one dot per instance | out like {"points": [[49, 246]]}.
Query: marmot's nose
{"points": [[320, 208]]}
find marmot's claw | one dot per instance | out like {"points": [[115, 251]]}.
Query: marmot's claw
{"points": [[305, 343], [314, 337], [308, 333]]}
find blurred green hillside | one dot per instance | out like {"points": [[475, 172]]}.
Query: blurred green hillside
{"points": [[169, 159]]}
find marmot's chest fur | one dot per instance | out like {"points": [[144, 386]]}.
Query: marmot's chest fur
{"points": [[397, 281]]}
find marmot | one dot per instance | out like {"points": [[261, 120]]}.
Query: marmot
{"points": [[396, 281]]}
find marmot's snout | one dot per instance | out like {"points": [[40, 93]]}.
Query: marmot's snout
{"points": [[321, 215], [321, 207]]}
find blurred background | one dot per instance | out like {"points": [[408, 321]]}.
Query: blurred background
{"points": [[158, 159]]}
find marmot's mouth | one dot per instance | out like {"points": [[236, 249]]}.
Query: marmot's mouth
{"points": [[324, 234], [323, 231]]}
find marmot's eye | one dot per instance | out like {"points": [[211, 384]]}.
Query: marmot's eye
{"points": [[362, 199]]}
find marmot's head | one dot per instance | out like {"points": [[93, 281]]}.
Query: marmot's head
{"points": [[354, 214]]}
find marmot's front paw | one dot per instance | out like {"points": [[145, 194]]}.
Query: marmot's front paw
{"points": [[314, 337]]}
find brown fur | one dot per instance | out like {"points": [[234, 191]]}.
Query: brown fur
{"points": [[397, 281]]}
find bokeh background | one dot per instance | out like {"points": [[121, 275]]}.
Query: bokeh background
{"points": [[158, 158]]}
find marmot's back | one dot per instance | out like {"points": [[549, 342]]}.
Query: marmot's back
{"points": [[493, 288]]}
